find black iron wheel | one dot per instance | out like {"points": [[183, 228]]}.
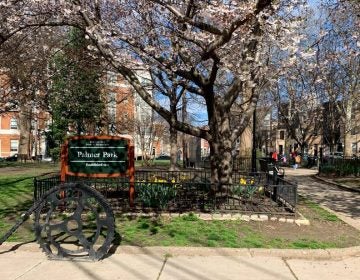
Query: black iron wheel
{"points": [[74, 220]]}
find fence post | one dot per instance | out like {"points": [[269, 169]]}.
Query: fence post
{"points": [[275, 183], [35, 189], [131, 176]]}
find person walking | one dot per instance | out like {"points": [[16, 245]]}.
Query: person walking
{"points": [[274, 157], [297, 161]]}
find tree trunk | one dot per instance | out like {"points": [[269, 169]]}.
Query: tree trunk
{"points": [[25, 132], [220, 152], [221, 164], [173, 149]]}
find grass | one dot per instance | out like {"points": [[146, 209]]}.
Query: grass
{"points": [[319, 212], [15, 198], [157, 163], [188, 230]]}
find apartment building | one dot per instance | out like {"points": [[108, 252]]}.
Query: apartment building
{"points": [[9, 134], [129, 115], [325, 135]]}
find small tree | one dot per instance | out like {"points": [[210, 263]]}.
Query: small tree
{"points": [[75, 97]]}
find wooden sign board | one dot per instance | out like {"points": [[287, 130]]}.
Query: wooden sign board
{"points": [[97, 156]]}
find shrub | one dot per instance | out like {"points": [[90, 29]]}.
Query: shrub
{"points": [[341, 168], [155, 194], [328, 169], [55, 153]]}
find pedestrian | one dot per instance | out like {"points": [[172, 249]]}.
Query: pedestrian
{"points": [[297, 161], [274, 156]]}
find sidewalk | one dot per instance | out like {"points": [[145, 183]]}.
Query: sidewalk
{"points": [[337, 199], [299, 172], [163, 263]]}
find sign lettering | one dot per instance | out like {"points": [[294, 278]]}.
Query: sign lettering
{"points": [[97, 156]]}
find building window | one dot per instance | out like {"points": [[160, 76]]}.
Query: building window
{"points": [[13, 124], [282, 134], [14, 145]]}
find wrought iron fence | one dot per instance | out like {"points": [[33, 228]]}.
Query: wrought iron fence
{"points": [[191, 190], [239, 164], [345, 166]]}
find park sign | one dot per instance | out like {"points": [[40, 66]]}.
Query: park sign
{"points": [[97, 156]]}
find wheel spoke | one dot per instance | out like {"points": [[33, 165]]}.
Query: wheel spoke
{"points": [[81, 229]]}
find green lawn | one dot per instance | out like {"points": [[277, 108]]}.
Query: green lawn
{"points": [[160, 163], [15, 198], [191, 231], [16, 188]]}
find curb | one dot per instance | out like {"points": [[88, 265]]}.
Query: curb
{"points": [[305, 254], [341, 186]]}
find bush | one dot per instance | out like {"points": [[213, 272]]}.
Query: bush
{"points": [[155, 194], [327, 169], [341, 168], [55, 153]]}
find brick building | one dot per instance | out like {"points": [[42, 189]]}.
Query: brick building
{"points": [[126, 114], [9, 134]]}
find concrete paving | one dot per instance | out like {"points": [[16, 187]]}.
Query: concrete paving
{"points": [[26, 261], [344, 203]]}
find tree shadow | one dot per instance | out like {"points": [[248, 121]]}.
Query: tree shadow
{"points": [[17, 246]]}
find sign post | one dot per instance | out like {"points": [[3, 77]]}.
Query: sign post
{"points": [[99, 157]]}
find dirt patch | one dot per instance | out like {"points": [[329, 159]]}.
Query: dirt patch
{"points": [[324, 228], [332, 234]]}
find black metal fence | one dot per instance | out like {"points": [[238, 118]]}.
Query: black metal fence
{"points": [[191, 190], [239, 164], [340, 166]]}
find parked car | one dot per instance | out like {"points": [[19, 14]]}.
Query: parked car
{"points": [[336, 155], [12, 158], [163, 157], [46, 159]]}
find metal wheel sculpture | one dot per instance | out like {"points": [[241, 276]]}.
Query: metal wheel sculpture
{"points": [[74, 220]]}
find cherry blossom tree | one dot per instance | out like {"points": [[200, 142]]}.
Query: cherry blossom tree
{"points": [[216, 50], [25, 69], [339, 64], [322, 76]]}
